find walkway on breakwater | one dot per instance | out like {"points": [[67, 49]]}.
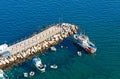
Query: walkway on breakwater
{"points": [[38, 38], [36, 44]]}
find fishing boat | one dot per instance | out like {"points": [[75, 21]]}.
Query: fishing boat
{"points": [[84, 42], [3, 75], [38, 63]]}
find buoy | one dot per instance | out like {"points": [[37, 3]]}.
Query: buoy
{"points": [[32, 73], [61, 46]]}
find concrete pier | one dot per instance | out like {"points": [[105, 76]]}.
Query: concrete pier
{"points": [[36, 44]]}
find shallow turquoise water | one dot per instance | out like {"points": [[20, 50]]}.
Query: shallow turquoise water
{"points": [[100, 20]]}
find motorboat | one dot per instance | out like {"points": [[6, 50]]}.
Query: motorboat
{"points": [[38, 63], [84, 42], [3, 75]]}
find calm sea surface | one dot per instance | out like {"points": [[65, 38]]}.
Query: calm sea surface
{"points": [[100, 19]]}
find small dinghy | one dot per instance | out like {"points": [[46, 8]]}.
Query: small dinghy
{"points": [[54, 66], [25, 74], [79, 53], [53, 48], [38, 63], [32, 73]]}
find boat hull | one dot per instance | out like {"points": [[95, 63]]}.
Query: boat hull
{"points": [[38, 63], [84, 42], [84, 48]]}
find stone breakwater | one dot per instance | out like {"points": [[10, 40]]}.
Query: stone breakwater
{"points": [[26, 49]]}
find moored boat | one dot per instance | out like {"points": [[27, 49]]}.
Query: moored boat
{"points": [[38, 63], [84, 42], [53, 48], [79, 53], [54, 66]]}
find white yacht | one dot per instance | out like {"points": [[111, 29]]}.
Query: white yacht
{"points": [[38, 63]]}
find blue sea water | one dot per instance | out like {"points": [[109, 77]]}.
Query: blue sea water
{"points": [[100, 19]]}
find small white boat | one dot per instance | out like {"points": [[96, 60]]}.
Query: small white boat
{"points": [[38, 63], [25, 74], [53, 48], [54, 66], [3, 75], [79, 53], [32, 73]]}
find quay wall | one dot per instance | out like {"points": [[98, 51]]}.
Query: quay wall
{"points": [[37, 44]]}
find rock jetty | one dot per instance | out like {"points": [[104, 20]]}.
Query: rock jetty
{"points": [[37, 44]]}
